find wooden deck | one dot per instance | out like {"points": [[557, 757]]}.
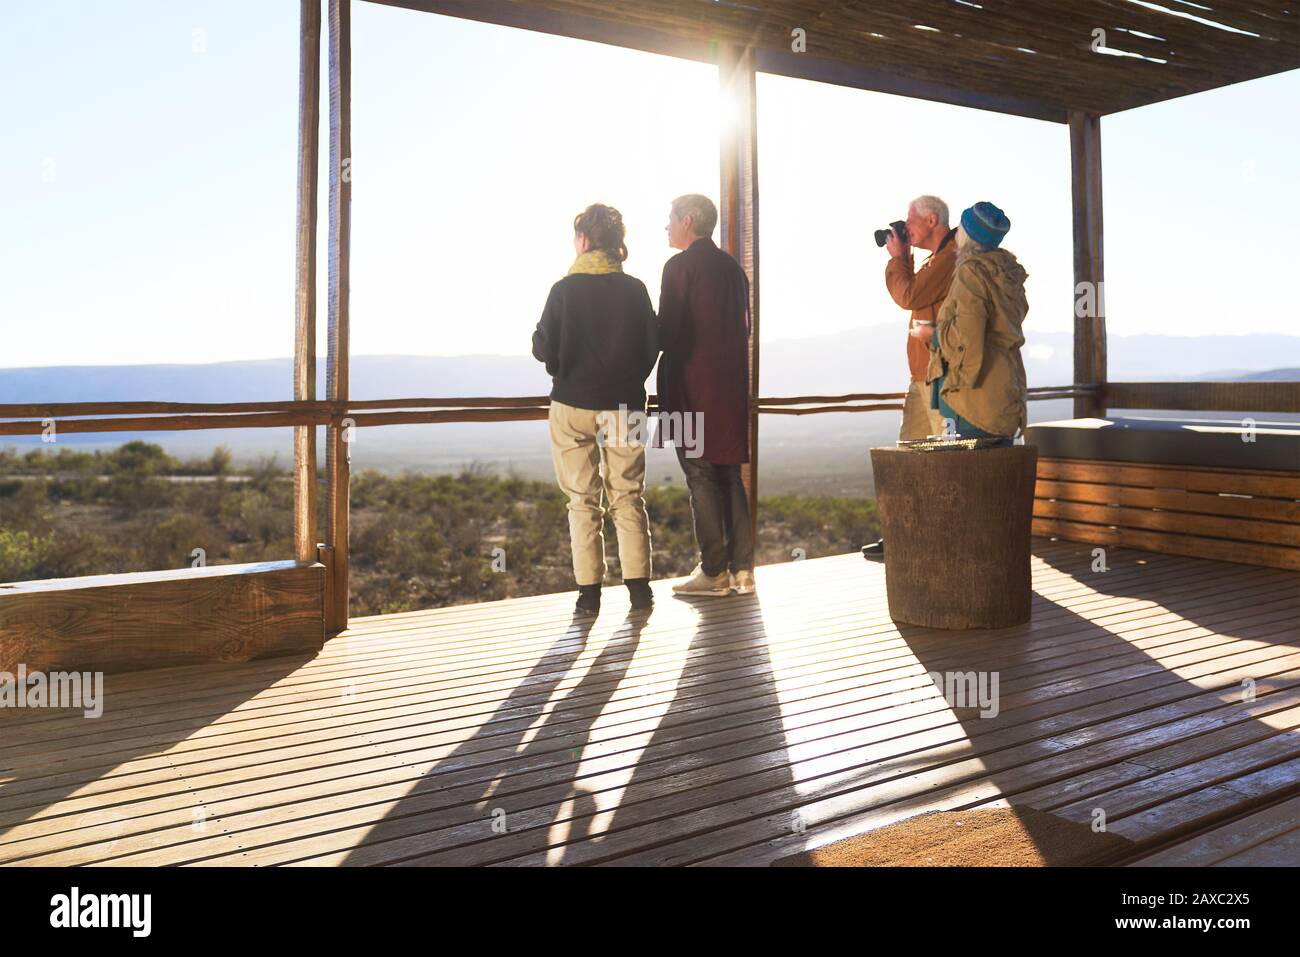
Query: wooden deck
{"points": [[709, 733]]}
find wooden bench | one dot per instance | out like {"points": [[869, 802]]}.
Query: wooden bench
{"points": [[1232, 514], [142, 620]]}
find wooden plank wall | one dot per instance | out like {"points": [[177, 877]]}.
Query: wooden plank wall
{"points": [[1229, 515]]}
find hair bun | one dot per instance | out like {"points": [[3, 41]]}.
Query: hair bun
{"points": [[603, 227]]}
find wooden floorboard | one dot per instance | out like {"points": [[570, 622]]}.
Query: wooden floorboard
{"points": [[1163, 692]]}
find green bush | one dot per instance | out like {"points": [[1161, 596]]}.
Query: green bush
{"points": [[418, 540], [21, 554], [142, 458]]}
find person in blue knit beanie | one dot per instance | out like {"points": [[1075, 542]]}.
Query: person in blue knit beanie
{"points": [[986, 224], [976, 374]]}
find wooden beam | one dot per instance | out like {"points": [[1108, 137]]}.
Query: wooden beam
{"points": [[857, 76], [304, 334], [579, 26], [477, 409], [1037, 392], [162, 619], [311, 409], [1205, 396], [339, 433], [1089, 272], [167, 423], [432, 416], [701, 46], [58, 410], [738, 209], [320, 410]]}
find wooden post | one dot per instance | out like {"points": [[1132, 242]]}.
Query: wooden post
{"points": [[304, 335], [1089, 328], [339, 433], [738, 213]]}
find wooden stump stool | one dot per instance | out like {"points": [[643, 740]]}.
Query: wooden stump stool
{"points": [[956, 528]]}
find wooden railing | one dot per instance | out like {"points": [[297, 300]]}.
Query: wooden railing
{"points": [[884, 401], [34, 418], [341, 414]]}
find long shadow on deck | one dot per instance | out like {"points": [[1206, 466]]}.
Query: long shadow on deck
{"points": [[739, 747], [494, 773], [558, 809], [50, 756], [1068, 673]]}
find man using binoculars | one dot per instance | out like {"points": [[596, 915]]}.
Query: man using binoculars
{"points": [[922, 291]]}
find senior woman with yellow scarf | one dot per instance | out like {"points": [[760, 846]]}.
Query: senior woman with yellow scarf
{"points": [[599, 340], [976, 374]]}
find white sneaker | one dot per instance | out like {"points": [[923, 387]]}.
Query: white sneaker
{"points": [[742, 583], [702, 584]]}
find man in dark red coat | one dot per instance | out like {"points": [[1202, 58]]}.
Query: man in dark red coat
{"points": [[704, 387]]}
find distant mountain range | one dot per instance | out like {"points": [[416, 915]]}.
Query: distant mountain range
{"points": [[870, 359], [859, 360], [1270, 375]]}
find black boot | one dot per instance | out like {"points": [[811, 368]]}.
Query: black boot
{"points": [[588, 599], [639, 591], [875, 551]]}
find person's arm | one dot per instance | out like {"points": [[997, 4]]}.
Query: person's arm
{"points": [[924, 288], [900, 280], [546, 337], [672, 306], [961, 335], [651, 331]]}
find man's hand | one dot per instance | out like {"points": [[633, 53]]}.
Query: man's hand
{"points": [[922, 331], [895, 246]]}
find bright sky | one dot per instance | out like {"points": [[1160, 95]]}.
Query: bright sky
{"points": [[150, 158]]}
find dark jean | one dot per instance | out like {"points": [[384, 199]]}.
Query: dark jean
{"points": [[962, 428], [720, 511]]}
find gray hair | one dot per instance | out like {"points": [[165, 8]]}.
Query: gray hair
{"points": [[967, 247], [925, 205], [704, 215]]}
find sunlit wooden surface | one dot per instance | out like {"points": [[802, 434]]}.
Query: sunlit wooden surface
{"points": [[1164, 691]]}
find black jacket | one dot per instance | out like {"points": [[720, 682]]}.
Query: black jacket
{"points": [[599, 340]]}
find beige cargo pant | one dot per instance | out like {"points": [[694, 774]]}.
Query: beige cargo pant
{"points": [[578, 459], [919, 420]]}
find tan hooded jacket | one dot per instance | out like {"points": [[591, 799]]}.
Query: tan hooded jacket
{"points": [[978, 333]]}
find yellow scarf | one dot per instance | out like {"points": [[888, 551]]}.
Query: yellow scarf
{"points": [[595, 262]]}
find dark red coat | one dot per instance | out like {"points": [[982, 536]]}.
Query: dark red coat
{"points": [[704, 332]]}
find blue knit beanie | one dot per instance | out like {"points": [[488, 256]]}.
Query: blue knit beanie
{"points": [[986, 224]]}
